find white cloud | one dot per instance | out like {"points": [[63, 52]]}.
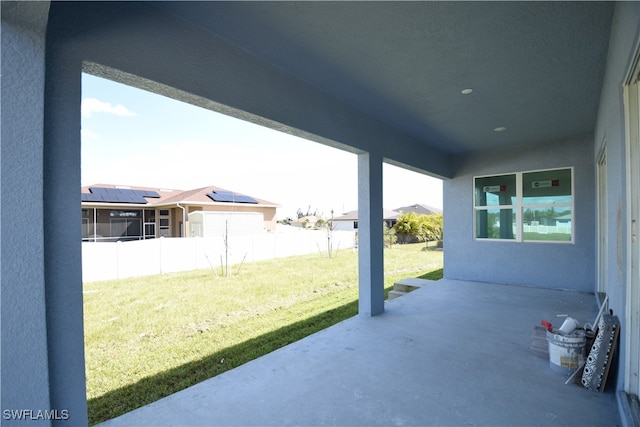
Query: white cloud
{"points": [[94, 105], [87, 134]]}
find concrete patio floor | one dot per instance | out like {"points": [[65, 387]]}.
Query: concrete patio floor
{"points": [[452, 353]]}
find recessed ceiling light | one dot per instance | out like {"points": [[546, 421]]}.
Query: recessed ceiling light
{"points": [[500, 129], [466, 91]]}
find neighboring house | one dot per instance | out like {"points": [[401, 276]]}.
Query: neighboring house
{"points": [[564, 220], [540, 110], [120, 213], [349, 220], [419, 209]]}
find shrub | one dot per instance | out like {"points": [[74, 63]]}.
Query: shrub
{"points": [[390, 237], [413, 227]]}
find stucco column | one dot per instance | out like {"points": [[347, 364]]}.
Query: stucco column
{"points": [[370, 237], [62, 233], [24, 352]]}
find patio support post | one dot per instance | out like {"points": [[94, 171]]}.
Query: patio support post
{"points": [[62, 235], [370, 238], [24, 352]]}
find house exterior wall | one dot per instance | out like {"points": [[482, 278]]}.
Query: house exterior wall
{"points": [[215, 223], [176, 222], [550, 265], [348, 225], [611, 129], [268, 213], [610, 136]]}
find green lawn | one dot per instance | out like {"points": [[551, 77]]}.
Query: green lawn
{"points": [[148, 337], [547, 236]]}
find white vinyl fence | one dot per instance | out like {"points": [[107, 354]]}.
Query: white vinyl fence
{"points": [[547, 229], [118, 260]]}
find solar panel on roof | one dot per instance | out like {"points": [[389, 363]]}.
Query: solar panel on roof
{"points": [[231, 197], [118, 195], [222, 196], [245, 199], [127, 197], [147, 193]]}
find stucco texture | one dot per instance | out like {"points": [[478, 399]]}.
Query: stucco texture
{"points": [[547, 265], [24, 373]]}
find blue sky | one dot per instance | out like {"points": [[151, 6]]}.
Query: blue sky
{"points": [[134, 137]]}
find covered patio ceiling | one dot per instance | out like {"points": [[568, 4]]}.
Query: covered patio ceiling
{"points": [[535, 68]]}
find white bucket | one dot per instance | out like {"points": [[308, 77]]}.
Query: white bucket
{"points": [[566, 352], [570, 324]]}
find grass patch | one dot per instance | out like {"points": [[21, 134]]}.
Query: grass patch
{"points": [[433, 275], [148, 337], [555, 237]]}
